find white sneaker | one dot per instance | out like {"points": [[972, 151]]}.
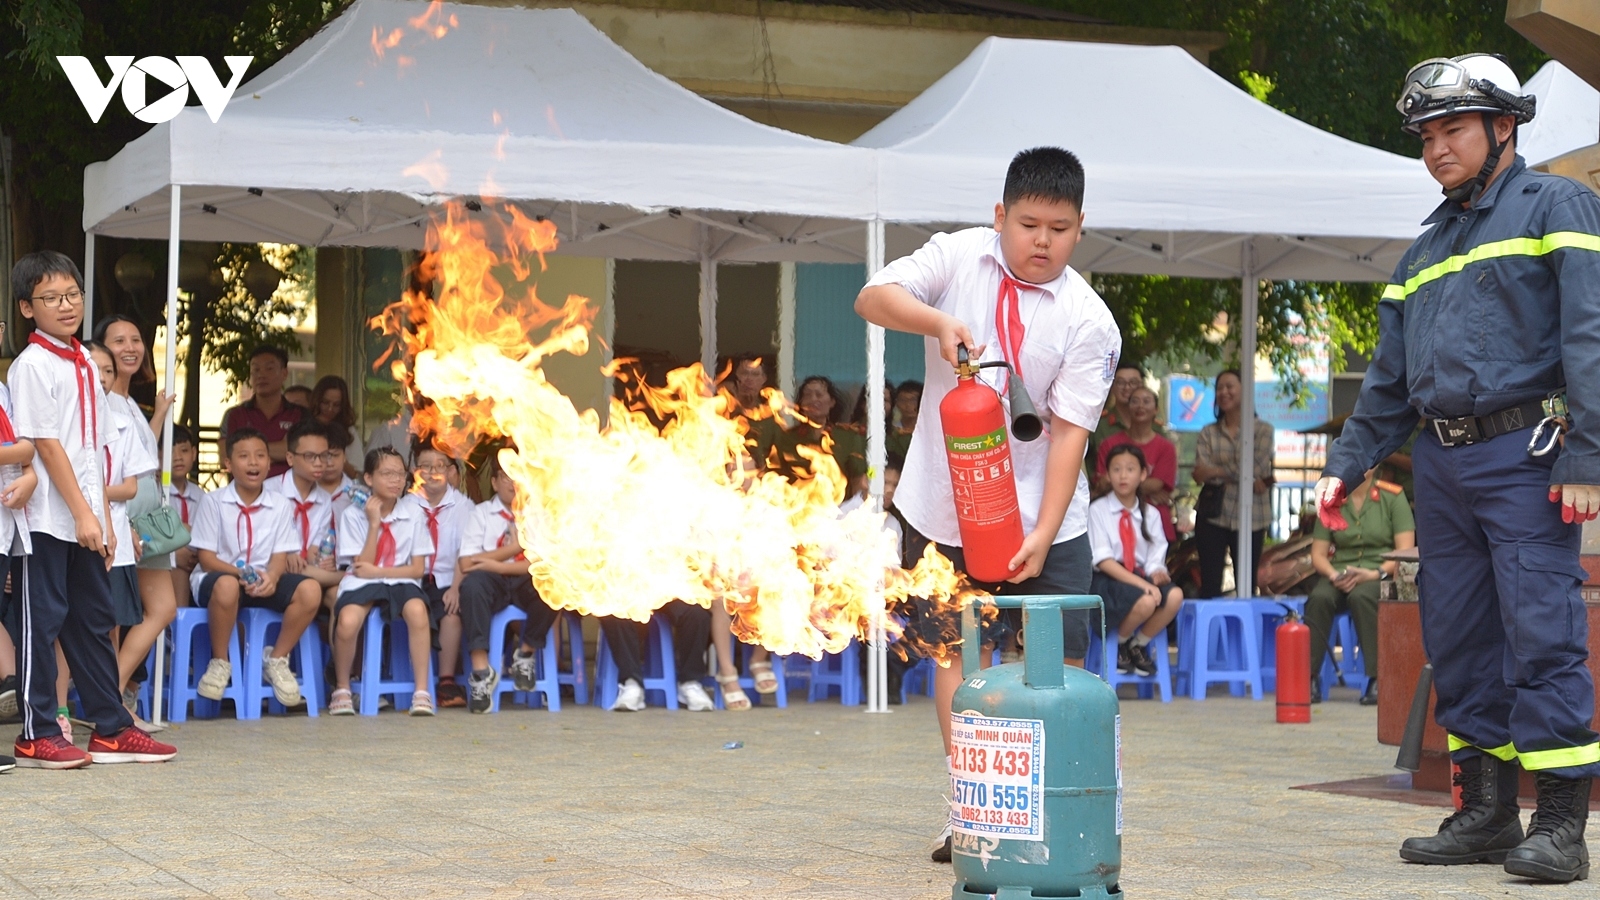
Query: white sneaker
{"points": [[692, 694], [284, 685], [630, 697], [219, 674]]}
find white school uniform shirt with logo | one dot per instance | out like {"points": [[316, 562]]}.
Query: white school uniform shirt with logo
{"points": [[1069, 354], [1105, 535], [44, 390], [487, 529], [457, 511], [219, 527], [409, 527], [129, 458], [319, 516], [14, 537], [139, 432]]}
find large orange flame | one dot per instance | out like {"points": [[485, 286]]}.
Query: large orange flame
{"points": [[621, 519]]}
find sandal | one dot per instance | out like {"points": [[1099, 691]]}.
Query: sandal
{"points": [[766, 681], [734, 698], [340, 703], [421, 704]]}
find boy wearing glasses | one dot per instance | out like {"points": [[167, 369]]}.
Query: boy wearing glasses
{"points": [[64, 582], [312, 506]]}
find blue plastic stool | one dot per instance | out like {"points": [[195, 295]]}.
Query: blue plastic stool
{"points": [[838, 671], [1351, 669], [260, 629], [918, 679], [1105, 663], [400, 683], [1219, 640], [1270, 611], [579, 676], [660, 668], [189, 660], [747, 683]]}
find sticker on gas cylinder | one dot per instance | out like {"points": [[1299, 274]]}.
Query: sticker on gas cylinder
{"points": [[997, 777], [1118, 728]]}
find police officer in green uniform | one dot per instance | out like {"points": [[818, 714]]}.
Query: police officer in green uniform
{"points": [[1490, 336]]}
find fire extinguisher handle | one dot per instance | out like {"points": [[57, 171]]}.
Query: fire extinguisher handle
{"points": [[962, 356]]}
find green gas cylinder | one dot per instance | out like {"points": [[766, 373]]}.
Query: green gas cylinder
{"points": [[1035, 768]]}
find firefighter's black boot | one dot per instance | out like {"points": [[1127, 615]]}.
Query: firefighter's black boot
{"points": [[1486, 827], [1554, 849]]}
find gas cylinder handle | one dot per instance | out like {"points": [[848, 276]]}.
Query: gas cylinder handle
{"points": [[1040, 670]]}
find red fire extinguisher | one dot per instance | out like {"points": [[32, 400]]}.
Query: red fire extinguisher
{"points": [[1294, 669], [979, 453]]}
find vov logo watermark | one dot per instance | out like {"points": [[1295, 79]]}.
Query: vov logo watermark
{"points": [[133, 77]]}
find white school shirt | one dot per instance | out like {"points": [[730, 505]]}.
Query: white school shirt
{"points": [[1105, 535], [890, 523], [14, 537], [318, 517], [221, 526], [340, 499], [1069, 354], [409, 527], [45, 393], [139, 433], [186, 502], [450, 517], [488, 529], [128, 457]]}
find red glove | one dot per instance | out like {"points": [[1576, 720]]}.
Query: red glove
{"points": [[1579, 502], [1330, 497]]}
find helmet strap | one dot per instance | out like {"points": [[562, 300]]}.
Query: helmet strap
{"points": [[1469, 190]]}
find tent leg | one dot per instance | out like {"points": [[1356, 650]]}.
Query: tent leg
{"points": [[1243, 574], [88, 284], [708, 307], [171, 379], [786, 285], [877, 454]]}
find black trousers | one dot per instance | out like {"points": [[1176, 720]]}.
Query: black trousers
{"points": [[1214, 545], [691, 634], [483, 594], [64, 594]]}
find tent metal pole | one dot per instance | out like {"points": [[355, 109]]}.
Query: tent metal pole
{"points": [[786, 285], [708, 306], [88, 283], [1243, 571], [171, 379], [877, 455]]}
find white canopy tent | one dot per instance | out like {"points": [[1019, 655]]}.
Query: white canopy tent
{"points": [[396, 107], [1567, 116], [1187, 175]]}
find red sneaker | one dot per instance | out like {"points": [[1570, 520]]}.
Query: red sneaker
{"points": [[129, 746], [54, 752]]}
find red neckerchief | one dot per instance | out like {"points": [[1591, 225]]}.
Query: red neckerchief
{"points": [[183, 503], [7, 434], [1008, 320], [302, 509], [245, 512], [433, 513], [386, 546], [511, 522], [1130, 543], [88, 413]]}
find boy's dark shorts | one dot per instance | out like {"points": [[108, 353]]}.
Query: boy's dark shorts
{"points": [[389, 599], [1066, 571], [278, 602]]}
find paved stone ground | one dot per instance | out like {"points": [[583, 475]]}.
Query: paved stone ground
{"points": [[821, 802]]}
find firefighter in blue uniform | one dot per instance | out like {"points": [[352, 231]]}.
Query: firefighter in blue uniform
{"points": [[1490, 336]]}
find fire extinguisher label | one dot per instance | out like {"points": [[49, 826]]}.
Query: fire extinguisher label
{"points": [[981, 477], [997, 777]]}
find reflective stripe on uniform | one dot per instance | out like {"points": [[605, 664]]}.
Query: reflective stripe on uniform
{"points": [[1523, 246], [1560, 758], [1506, 752]]}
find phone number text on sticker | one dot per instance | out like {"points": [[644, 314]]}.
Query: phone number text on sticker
{"points": [[997, 777]]}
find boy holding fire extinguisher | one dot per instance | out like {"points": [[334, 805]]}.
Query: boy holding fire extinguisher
{"points": [[1007, 294]]}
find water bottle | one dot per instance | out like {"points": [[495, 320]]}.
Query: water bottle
{"points": [[359, 495], [325, 547], [248, 577]]}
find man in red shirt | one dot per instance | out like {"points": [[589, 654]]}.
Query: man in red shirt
{"points": [[266, 411]]}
